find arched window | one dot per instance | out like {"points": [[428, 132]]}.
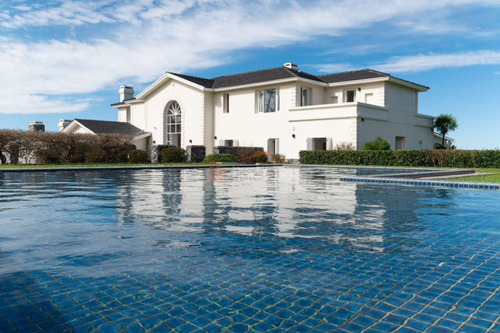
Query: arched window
{"points": [[173, 121]]}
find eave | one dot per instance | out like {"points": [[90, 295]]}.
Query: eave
{"points": [[271, 83], [164, 79]]}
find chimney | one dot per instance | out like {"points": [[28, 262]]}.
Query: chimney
{"points": [[63, 123], [291, 65], [36, 126], [126, 93]]}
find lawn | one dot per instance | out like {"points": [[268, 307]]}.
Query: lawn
{"points": [[492, 177]]}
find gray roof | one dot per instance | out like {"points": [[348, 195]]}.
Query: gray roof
{"points": [[110, 127], [249, 77], [282, 73], [353, 75]]}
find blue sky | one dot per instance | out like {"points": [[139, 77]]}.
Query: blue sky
{"points": [[66, 59]]}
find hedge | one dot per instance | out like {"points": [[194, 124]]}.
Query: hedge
{"points": [[47, 148], [406, 158], [173, 155], [213, 158]]}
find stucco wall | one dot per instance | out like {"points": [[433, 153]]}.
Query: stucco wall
{"points": [[150, 115], [376, 92], [245, 124]]}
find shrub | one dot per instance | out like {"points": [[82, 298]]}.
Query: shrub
{"points": [[344, 146], [173, 155], [378, 144], [410, 158], [261, 158], [47, 156], [138, 156], [96, 155], [213, 158]]}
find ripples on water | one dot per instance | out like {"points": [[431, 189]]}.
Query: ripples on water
{"points": [[266, 225]]}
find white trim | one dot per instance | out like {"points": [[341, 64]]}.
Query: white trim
{"points": [[142, 136], [270, 83], [74, 124]]}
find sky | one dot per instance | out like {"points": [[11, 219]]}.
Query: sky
{"points": [[67, 59]]}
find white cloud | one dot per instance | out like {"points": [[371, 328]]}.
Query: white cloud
{"points": [[424, 62], [144, 38], [334, 68], [29, 104]]}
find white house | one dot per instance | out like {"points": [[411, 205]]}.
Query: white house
{"points": [[283, 110]]}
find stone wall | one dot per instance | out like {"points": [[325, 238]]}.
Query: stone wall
{"points": [[156, 152], [196, 153]]}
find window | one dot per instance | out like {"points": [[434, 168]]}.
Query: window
{"points": [[173, 121], [350, 96], [305, 96], [228, 143], [268, 100], [225, 102], [400, 143]]}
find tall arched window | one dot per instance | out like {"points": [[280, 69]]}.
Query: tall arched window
{"points": [[173, 121]]}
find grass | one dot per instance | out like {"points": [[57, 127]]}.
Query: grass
{"points": [[493, 176]]}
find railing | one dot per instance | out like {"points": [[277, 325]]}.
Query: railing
{"points": [[337, 111]]}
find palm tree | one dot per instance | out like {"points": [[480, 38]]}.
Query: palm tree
{"points": [[445, 123]]}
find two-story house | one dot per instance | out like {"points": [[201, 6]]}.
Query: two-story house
{"points": [[283, 110]]}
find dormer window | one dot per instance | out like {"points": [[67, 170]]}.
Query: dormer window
{"points": [[268, 100], [350, 96], [305, 96]]}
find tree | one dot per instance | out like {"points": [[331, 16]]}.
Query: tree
{"points": [[445, 123], [378, 144]]}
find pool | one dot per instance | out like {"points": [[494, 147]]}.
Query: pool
{"points": [[244, 249]]}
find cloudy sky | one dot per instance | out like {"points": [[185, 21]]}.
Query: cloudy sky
{"points": [[66, 59]]}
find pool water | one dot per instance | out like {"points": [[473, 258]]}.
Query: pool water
{"points": [[244, 249]]}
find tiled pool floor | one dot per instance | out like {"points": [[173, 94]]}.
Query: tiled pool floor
{"points": [[326, 256]]}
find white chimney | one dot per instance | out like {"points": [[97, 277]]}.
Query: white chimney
{"points": [[126, 93], [63, 123], [291, 65]]}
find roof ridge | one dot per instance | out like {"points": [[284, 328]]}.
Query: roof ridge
{"points": [[248, 72], [108, 121], [196, 77], [354, 71]]}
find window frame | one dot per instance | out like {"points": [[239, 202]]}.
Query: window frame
{"points": [[308, 100], [347, 95], [225, 103], [261, 99]]}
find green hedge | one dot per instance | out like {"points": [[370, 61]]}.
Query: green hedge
{"points": [[213, 158], [407, 158], [173, 155]]}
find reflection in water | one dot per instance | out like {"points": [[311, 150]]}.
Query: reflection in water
{"points": [[272, 210], [272, 203]]}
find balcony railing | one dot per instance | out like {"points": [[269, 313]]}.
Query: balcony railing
{"points": [[337, 111]]}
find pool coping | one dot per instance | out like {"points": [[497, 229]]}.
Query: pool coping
{"points": [[416, 174], [140, 167]]}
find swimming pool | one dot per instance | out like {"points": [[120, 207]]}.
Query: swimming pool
{"points": [[244, 249]]}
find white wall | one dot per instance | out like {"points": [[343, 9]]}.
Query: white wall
{"points": [[245, 124], [376, 90], [149, 115]]}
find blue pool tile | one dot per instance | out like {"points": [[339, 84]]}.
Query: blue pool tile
{"points": [[108, 328], [385, 326], [417, 325]]}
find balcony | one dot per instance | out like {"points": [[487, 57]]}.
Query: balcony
{"points": [[337, 111]]}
